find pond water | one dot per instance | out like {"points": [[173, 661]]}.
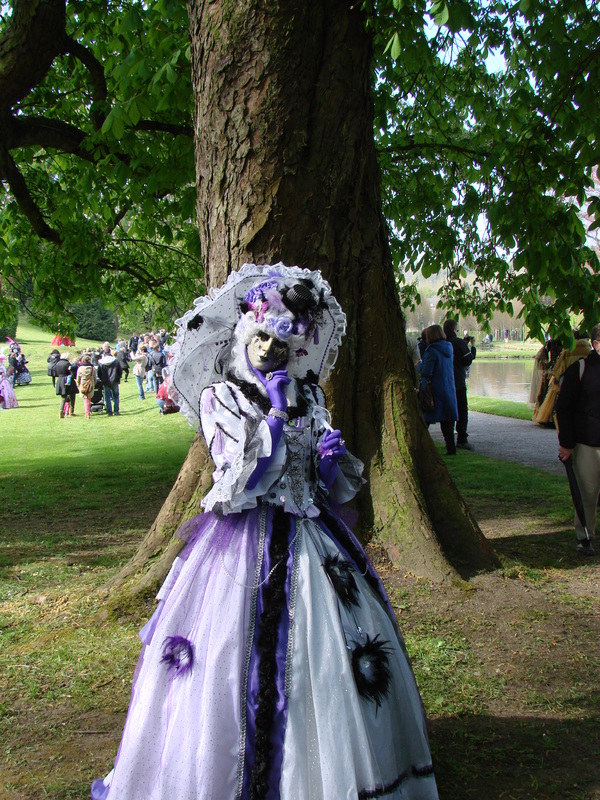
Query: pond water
{"points": [[506, 378]]}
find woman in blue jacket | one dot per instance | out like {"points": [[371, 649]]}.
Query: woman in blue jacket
{"points": [[437, 366]]}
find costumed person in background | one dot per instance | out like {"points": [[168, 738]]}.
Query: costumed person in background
{"points": [[86, 382], [273, 666], [437, 366], [541, 367], [8, 398], [543, 413]]}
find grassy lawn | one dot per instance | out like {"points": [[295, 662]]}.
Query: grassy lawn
{"points": [[499, 407], [507, 664]]}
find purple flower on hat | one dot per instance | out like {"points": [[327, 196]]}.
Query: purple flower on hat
{"points": [[282, 327]]}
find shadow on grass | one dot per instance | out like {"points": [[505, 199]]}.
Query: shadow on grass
{"points": [[522, 758], [551, 550]]}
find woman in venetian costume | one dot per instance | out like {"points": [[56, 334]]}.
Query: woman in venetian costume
{"points": [[273, 666]]}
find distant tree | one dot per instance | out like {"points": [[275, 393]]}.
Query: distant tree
{"points": [[94, 321]]}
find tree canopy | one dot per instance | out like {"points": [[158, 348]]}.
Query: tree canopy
{"points": [[485, 122], [487, 128], [96, 155]]}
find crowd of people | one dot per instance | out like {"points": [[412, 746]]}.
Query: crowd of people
{"points": [[96, 374]]}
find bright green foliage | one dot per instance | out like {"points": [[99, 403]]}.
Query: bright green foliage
{"points": [[118, 190], [488, 134]]}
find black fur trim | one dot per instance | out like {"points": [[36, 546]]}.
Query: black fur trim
{"points": [[250, 392], [370, 665], [381, 791], [356, 554], [274, 602], [340, 574]]}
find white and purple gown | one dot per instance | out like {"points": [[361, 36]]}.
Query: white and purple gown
{"points": [[273, 666]]}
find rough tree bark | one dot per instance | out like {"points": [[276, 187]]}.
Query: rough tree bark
{"points": [[286, 170]]}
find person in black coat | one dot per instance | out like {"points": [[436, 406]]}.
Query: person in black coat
{"points": [[123, 358], [578, 422], [52, 360], [463, 358], [66, 388]]}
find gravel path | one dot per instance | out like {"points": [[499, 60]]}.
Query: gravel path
{"points": [[511, 440]]}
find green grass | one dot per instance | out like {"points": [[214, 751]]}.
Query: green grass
{"points": [[77, 498], [499, 407]]}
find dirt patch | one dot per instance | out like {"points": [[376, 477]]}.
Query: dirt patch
{"points": [[527, 637]]}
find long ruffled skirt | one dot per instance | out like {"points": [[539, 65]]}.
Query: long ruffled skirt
{"points": [[272, 668]]}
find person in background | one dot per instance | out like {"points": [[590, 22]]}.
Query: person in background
{"points": [[567, 357], [413, 353], [140, 363], [421, 343], [52, 359], [150, 385], [543, 413], [470, 340], [164, 402], [134, 342], [122, 355], [158, 362], [86, 382], [8, 398], [63, 374], [578, 422], [437, 367], [463, 358], [109, 372]]}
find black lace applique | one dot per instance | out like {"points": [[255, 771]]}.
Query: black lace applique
{"points": [[340, 574]]}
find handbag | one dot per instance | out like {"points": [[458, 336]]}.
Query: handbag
{"points": [[426, 397]]}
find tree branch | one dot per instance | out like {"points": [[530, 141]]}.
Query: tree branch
{"points": [[164, 127], [412, 145], [16, 182], [43, 132], [96, 70]]}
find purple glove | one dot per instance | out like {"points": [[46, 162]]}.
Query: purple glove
{"points": [[332, 448], [275, 383]]}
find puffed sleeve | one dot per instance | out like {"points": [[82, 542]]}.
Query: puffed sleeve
{"points": [[237, 436], [348, 480]]}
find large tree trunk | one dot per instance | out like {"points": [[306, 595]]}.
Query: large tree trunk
{"points": [[286, 170]]}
